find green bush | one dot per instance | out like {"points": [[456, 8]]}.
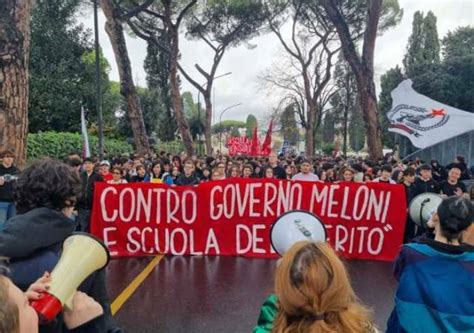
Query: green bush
{"points": [[60, 144], [328, 148], [173, 147]]}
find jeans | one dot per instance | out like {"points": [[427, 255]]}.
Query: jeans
{"points": [[7, 210], [83, 219]]}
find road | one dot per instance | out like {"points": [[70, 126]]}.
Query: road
{"points": [[217, 294]]}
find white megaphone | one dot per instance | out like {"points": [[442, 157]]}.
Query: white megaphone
{"points": [[296, 226], [423, 206], [82, 255]]}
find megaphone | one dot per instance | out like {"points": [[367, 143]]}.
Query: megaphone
{"points": [[422, 207], [295, 226], [82, 255]]}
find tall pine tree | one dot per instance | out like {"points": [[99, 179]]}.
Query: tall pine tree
{"points": [[156, 66], [423, 45], [389, 81]]}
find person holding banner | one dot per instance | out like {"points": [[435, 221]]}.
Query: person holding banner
{"points": [[436, 289], [313, 293], [188, 177], [305, 173]]}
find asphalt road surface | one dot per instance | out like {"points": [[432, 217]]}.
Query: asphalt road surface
{"points": [[217, 294]]}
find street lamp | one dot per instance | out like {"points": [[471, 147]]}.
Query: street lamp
{"points": [[220, 122]]}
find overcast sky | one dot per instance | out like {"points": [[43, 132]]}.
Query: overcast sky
{"points": [[242, 85]]}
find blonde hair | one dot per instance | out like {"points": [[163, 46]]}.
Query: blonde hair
{"points": [[9, 315], [314, 293]]}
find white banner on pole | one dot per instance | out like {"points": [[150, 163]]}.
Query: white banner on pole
{"points": [[424, 121]]}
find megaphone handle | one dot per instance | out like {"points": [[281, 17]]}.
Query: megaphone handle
{"points": [[421, 210]]}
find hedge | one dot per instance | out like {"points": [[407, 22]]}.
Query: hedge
{"points": [[60, 144]]}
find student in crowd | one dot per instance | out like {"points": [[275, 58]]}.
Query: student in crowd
{"points": [[175, 173], [460, 162], [18, 316], [104, 170], [234, 172], [436, 289], [45, 197], [439, 173], [117, 174], [188, 177], [8, 174], [397, 176], [268, 173], [141, 175], [425, 183], [206, 174], [278, 171], [305, 173], [453, 185], [84, 203], [216, 175], [247, 171], [385, 175], [313, 294], [220, 167], [347, 174], [156, 175], [288, 172], [408, 179]]}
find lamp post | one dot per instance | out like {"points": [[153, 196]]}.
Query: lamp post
{"points": [[97, 83], [220, 122], [199, 103]]}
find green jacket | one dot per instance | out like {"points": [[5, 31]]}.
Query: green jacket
{"points": [[268, 312]]}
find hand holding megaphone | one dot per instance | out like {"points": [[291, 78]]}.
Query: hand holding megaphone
{"points": [[82, 255], [296, 226]]}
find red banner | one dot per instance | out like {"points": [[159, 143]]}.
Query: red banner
{"points": [[239, 146], [234, 217]]}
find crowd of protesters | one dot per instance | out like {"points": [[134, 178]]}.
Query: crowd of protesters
{"points": [[47, 193]]}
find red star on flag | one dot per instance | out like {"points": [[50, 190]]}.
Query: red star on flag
{"points": [[439, 112]]}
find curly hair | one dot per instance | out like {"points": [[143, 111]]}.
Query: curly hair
{"points": [[47, 183]]}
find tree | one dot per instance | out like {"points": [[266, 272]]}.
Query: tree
{"points": [[250, 125], [310, 49], [234, 133], [289, 127], [114, 29], [423, 45], [389, 81], [159, 23], [194, 116], [14, 58], [57, 68], [220, 25], [363, 65], [227, 125], [157, 76], [344, 101]]}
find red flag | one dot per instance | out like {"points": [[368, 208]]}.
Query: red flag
{"points": [[267, 144], [254, 147]]}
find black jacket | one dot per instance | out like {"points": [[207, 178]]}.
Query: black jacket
{"points": [[183, 180], [420, 186], [33, 242], [88, 186], [6, 190]]}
